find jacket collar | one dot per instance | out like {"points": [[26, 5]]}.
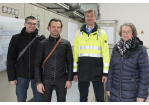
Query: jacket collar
{"points": [[35, 32], [52, 38], [27, 35], [137, 42], [83, 28], [91, 28]]}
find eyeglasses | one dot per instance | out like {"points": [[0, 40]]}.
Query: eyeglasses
{"points": [[29, 23], [128, 32]]}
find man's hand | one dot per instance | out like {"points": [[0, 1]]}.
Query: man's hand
{"points": [[68, 84], [40, 88], [104, 79], [14, 82], [75, 78], [140, 99], [108, 92]]}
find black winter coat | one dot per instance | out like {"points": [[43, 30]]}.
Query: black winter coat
{"points": [[128, 76], [25, 68], [55, 66]]}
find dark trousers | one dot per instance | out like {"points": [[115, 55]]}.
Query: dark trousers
{"points": [[98, 90], [22, 87], [60, 89]]}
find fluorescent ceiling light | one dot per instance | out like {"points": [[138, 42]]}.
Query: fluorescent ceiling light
{"points": [[78, 14], [63, 5]]}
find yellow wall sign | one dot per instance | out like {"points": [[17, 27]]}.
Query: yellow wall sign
{"points": [[142, 32]]}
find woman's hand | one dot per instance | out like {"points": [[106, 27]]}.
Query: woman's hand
{"points": [[108, 92], [140, 99]]}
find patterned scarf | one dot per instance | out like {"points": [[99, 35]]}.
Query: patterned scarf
{"points": [[123, 46]]}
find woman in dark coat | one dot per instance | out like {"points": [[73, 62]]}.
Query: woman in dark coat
{"points": [[128, 77]]}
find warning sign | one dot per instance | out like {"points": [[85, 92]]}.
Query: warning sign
{"points": [[142, 32]]}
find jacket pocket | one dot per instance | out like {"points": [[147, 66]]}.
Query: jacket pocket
{"points": [[97, 68], [134, 82]]}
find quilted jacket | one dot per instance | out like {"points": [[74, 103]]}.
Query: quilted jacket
{"points": [[128, 76], [59, 64]]}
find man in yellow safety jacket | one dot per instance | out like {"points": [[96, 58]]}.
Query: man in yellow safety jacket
{"points": [[91, 57]]}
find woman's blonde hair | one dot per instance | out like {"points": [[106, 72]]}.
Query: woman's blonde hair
{"points": [[133, 28]]}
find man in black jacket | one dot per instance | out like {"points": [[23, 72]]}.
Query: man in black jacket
{"points": [[53, 74], [22, 73]]}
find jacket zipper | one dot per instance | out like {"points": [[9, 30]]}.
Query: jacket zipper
{"points": [[134, 82], [43, 69], [120, 80], [29, 59], [55, 60]]}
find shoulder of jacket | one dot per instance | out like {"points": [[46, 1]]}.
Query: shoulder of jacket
{"points": [[142, 50], [102, 31], [66, 41], [141, 47], [44, 41], [41, 36], [16, 36], [79, 31]]}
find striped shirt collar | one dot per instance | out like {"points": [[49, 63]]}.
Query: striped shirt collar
{"points": [[90, 29]]}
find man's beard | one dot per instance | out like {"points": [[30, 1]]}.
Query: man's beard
{"points": [[54, 34]]}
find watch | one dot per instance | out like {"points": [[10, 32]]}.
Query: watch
{"points": [[38, 83]]}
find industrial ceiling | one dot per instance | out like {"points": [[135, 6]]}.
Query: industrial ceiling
{"points": [[72, 10]]}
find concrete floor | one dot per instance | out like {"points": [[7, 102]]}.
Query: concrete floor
{"points": [[73, 94]]}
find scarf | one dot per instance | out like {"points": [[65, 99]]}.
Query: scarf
{"points": [[123, 46]]}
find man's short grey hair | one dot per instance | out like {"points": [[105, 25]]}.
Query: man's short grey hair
{"points": [[90, 10]]}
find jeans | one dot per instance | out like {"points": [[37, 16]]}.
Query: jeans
{"points": [[98, 90], [22, 87], [60, 89]]}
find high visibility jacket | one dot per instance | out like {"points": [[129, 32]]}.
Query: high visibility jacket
{"points": [[91, 54]]}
